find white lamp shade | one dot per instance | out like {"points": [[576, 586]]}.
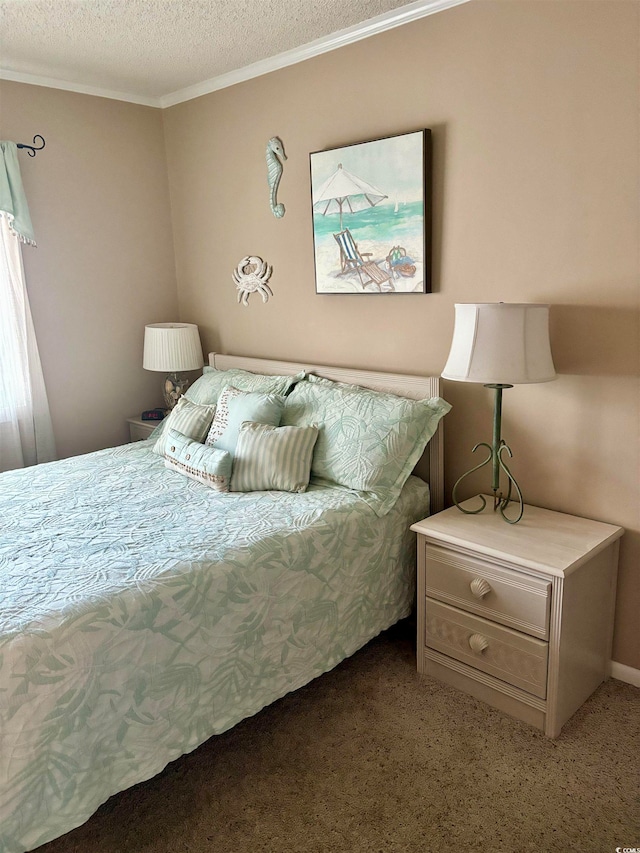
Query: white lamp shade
{"points": [[500, 343], [172, 347]]}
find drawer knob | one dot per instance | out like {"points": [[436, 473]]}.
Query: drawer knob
{"points": [[480, 587], [478, 643]]}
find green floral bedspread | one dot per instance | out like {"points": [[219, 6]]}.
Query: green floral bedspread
{"points": [[141, 613]]}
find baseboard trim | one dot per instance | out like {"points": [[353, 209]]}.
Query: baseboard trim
{"points": [[625, 673]]}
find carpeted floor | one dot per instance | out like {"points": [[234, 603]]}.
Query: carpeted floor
{"points": [[372, 757]]}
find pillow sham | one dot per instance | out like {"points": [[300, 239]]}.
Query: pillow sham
{"points": [[369, 440], [208, 387], [188, 418], [269, 457], [234, 407], [197, 461]]}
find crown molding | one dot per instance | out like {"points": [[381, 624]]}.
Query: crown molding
{"points": [[80, 88], [350, 35], [374, 26]]}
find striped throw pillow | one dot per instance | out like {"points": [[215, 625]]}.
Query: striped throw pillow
{"points": [[188, 418], [269, 457]]}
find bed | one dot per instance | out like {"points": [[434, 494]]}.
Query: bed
{"points": [[143, 612]]}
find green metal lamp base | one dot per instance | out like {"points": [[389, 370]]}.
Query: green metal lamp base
{"points": [[496, 450]]}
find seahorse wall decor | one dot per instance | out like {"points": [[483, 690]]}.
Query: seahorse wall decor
{"points": [[275, 158]]}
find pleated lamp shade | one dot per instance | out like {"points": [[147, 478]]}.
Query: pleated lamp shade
{"points": [[172, 347], [500, 343]]}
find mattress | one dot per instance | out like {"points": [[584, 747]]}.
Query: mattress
{"points": [[142, 613]]}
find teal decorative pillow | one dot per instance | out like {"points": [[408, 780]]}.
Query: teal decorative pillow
{"points": [[236, 406], [208, 387], [188, 418], [269, 457], [369, 441], [197, 461]]}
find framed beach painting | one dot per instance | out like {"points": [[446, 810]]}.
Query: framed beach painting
{"points": [[372, 216]]}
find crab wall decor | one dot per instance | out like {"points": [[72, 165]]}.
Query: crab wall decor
{"points": [[251, 276]]}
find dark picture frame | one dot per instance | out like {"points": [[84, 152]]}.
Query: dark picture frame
{"points": [[371, 212]]}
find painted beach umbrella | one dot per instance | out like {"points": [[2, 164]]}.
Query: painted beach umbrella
{"points": [[345, 192]]}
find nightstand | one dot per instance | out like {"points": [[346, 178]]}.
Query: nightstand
{"points": [[520, 616], [139, 429]]}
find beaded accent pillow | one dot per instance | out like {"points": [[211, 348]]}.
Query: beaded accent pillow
{"points": [[206, 465]]}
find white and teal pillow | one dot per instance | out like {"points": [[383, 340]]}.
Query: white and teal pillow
{"points": [[188, 418], [197, 461], [369, 441], [208, 387], [236, 406], [268, 457]]}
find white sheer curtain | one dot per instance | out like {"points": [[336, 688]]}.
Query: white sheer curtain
{"points": [[26, 435]]}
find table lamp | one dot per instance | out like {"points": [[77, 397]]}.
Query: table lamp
{"points": [[172, 348], [499, 344]]}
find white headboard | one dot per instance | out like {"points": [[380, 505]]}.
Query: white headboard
{"points": [[430, 467]]}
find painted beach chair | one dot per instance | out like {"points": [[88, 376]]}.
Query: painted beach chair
{"points": [[352, 259]]}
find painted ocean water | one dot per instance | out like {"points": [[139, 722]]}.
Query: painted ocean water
{"points": [[381, 223], [375, 230]]}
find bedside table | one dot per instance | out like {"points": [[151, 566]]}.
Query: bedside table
{"points": [[520, 616], [139, 429]]}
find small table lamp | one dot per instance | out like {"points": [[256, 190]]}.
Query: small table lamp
{"points": [[499, 344], [172, 348]]}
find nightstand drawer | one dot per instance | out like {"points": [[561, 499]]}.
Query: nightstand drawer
{"points": [[512, 598], [513, 657]]}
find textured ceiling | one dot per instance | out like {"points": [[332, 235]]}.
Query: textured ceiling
{"points": [[151, 48]]}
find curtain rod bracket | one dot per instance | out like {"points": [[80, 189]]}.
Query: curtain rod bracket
{"points": [[35, 147]]}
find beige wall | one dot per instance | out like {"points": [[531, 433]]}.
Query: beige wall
{"points": [[533, 108], [534, 113], [104, 264]]}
